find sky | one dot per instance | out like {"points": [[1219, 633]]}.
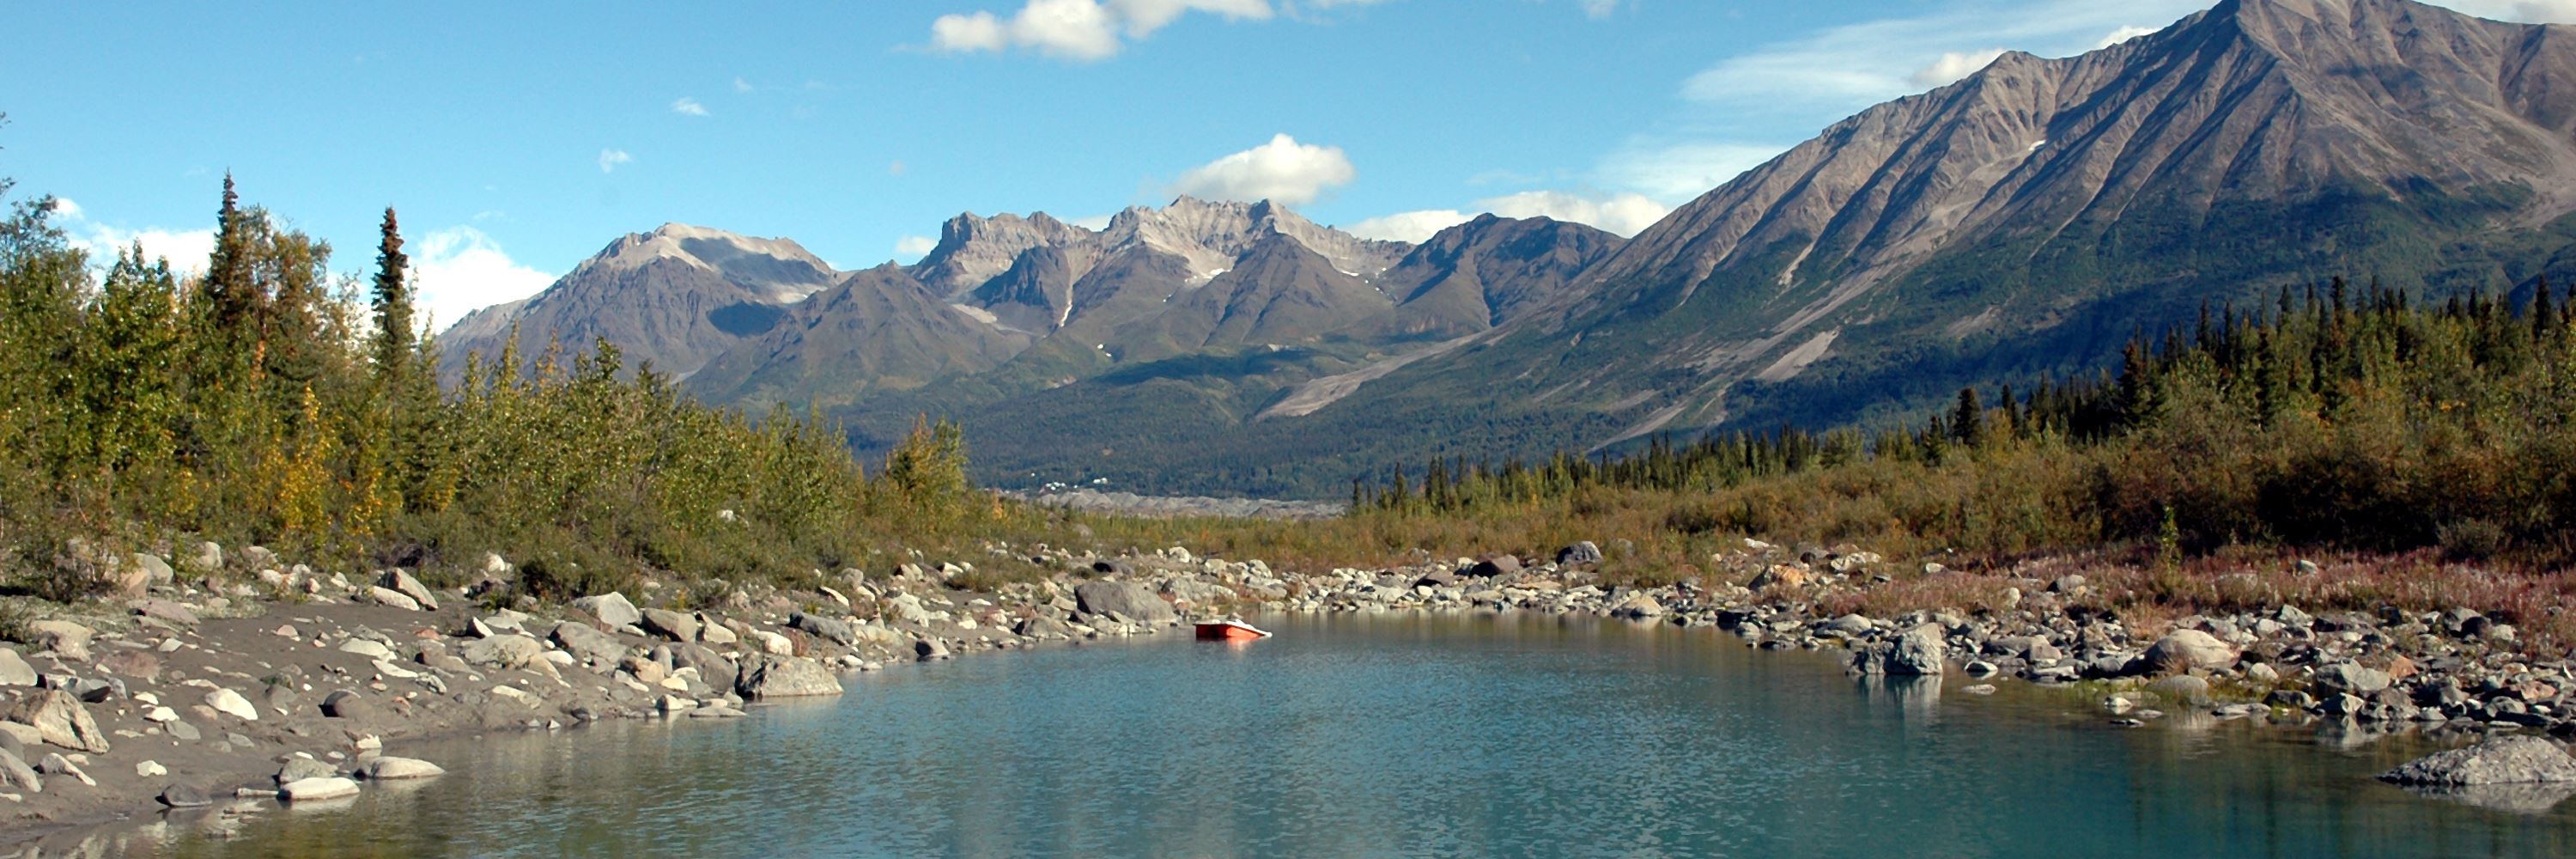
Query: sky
{"points": [[517, 139]]}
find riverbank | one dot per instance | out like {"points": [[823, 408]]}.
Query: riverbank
{"points": [[235, 693]]}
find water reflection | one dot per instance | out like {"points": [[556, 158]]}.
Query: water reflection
{"points": [[1395, 735]]}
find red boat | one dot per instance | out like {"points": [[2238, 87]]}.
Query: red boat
{"points": [[1229, 630]]}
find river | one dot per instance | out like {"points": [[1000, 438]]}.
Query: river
{"points": [[1397, 735]]}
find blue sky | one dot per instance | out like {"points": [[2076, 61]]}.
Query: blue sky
{"points": [[518, 138]]}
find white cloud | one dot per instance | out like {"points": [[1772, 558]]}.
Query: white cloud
{"points": [[1094, 223], [1598, 9], [610, 158], [1414, 226], [1837, 70], [1676, 171], [1624, 214], [1083, 30], [1952, 66], [914, 246], [459, 270], [186, 250], [740, 85], [688, 107], [2528, 11], [2123, 34], [1281, 170], [65, 209]]}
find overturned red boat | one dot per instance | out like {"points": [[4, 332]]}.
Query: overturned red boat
{"points": [[1229, 630]]}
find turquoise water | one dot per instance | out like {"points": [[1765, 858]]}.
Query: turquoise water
{"points": [[1397, 736]]}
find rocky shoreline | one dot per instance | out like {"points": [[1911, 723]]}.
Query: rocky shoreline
{"points": [[207, 698]]}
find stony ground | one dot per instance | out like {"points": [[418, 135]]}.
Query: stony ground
{"points": [[198, 694]]}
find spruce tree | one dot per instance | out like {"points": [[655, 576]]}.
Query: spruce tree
{"points": [[393, 304], [1968, 421]]}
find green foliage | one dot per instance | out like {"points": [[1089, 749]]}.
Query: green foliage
{"points": [[267, 402]]}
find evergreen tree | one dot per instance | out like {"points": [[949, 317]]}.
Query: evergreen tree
{"points": [[393, 303], [1968, 420]]}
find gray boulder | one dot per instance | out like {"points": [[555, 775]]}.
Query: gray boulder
{"points": [[2352, 677], [714, 669], [345, 704], [1919, 652], [388, 767], [208, 557], [835, 631], [1126, 598], [584, 641], [1044, 626], [1498, 565], [1580, 553], [403, 583], [156, 569], [502, 651], [786, 677], [671, 624], [183, 795], [2189, 649], [2502, 760], [299, 769], [612, 609], [59, 719], [14, 670], [17, 775]]}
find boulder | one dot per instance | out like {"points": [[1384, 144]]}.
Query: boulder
{"points": [[389, 767], [1578, 554], [1043, 626], [15, 774], [156, 571], [2188, 649], [165, 610], [612, 609], [502, 651], [207, 558], [714, 669], [773, 643], [55, 764], [1850, 624], [1780, 575], [2352, 677], [1127, 598], [59, 719], [671, 624], [14, 670], [312, 789], [389, 597], [65, 638], [184, 796], [1498, 565], [345, 704], [1639, 607], [584, 641], [786, 677], [299, 769], [402, 583], [2501, 760], [232, 703], [1919, 652], [928, 649], [835, 631]]}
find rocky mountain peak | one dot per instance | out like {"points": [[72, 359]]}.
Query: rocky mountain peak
{"points": [[973, 249]]}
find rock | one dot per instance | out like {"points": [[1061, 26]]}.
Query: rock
{"points": [[1919, 652], [2189, 649], [1578, 554], [17, 775], [711, 632], [2500, 760], [65, 638], [2066, 584], [367, 648], [773, 643], [1850, 624], [1044, 626], [587, 642], [2183, 689], [166, 610], [1641, 606], [345, 704], [59, 719], [502, 651], [150, 769], [1782, 575], [1127, 598], [14, 670], [300, 768], [928, 649], [257, 558], [388, 767], [312, 789], [786, 677], [1498, 565], [671, 624], [55, 764], [2263, 672], [402, 583], [386, 596], [208, 557], [835, 631], [156, 571], [2352, 677], [184, 796], [232, 703], [612, 609], [714, 669]]}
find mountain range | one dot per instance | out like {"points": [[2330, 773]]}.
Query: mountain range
{"points": [[2027, 220]]}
